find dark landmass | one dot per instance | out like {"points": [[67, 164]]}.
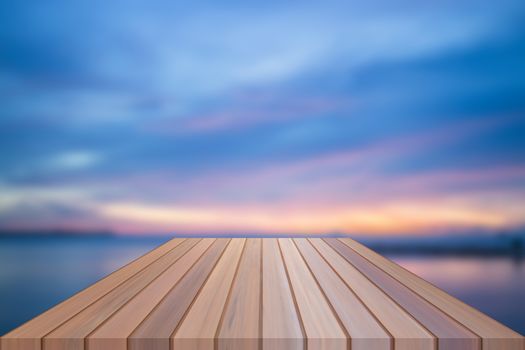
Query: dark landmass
{"points": [[457, 244], [485, 244], [58, 233]]}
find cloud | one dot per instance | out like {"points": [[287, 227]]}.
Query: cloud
{"points": [[301, 116], [413, 216], [75, 160], [250, 110]]}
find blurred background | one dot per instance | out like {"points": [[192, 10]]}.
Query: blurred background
{"points": [[123, 123]]}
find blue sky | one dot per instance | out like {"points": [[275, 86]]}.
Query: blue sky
{"points": [[160, 116]]}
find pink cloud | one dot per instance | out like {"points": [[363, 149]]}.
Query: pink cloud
{"points": [[250, 112]]}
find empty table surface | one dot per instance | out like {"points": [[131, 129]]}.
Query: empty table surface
{"points": [[262, 293]]}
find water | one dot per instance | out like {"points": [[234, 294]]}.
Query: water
{"points": [[36, 274], [494, 285]]}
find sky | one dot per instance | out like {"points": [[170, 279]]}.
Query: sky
{"points": [[376, 117]]}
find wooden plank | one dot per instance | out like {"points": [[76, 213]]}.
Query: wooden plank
{"points": [[240, 324], [28, 336], [200, 325], [451, 334], [262, 294], [495, 335], [155, 331], [281, 329], [112, 335], [408, 334], [365, 331], [70, 335], [322, 327]]}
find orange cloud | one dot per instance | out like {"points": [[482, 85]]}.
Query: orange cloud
{"points": [[412, 216]]}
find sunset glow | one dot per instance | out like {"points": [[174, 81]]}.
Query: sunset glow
{"points": [[396, 217], [149, 118]]}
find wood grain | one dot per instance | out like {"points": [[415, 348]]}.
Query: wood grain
{"points": [[408, 334], [322, 327], [262, 293], [451, 335], [281, 329], [112, 335], [155, 331], [202, 320], [494, 334], [365, 331], [240, 324], [29, 335], [70, 335]]}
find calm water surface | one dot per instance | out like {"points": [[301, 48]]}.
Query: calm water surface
{"points": [[494, 285], [35, 274]]}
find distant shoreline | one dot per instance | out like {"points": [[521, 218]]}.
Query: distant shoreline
{"points": [[504, 244], [54, 233]]}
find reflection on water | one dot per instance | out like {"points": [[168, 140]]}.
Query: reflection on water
{"points": [[494, 285], [35, 274]]}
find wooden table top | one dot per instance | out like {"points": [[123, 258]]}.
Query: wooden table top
{"points": [[262, 294]]}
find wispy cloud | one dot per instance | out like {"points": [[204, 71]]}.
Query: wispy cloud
{"points": [[152, 116]]}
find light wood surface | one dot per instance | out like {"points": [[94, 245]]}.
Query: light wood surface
{"points": [[203, 318], [281, 324], [242, 315], [451, 334], [493, 334], [321, 325], [122, 323], [262, 293], [156, 329], [365, 331], [407, 333]]}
